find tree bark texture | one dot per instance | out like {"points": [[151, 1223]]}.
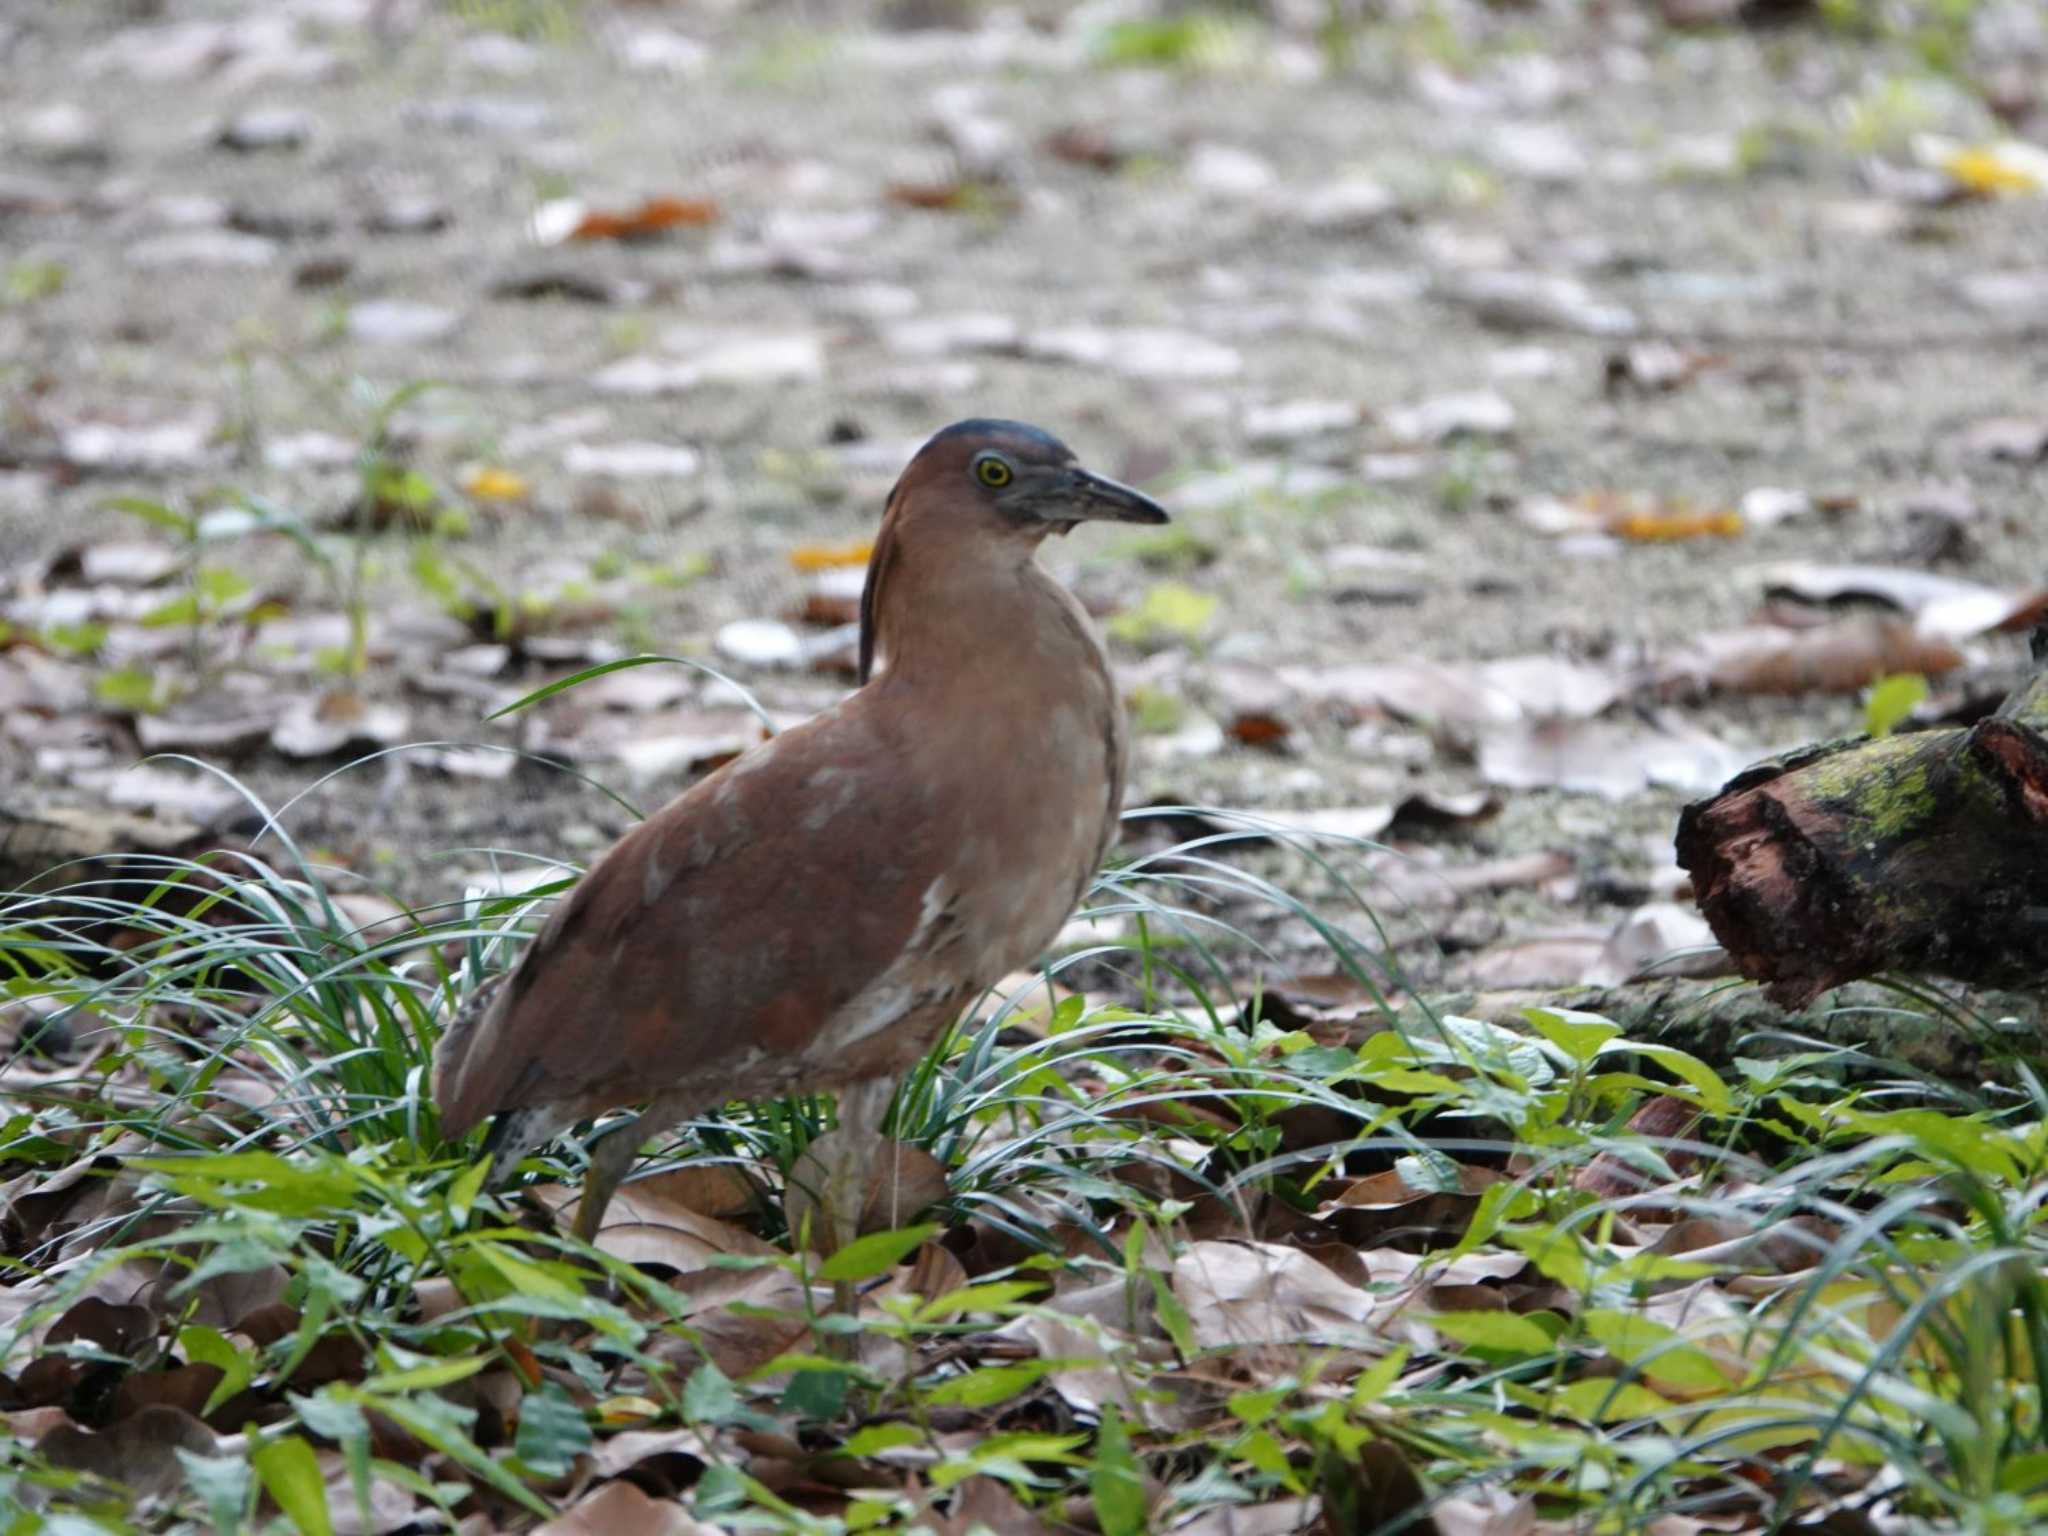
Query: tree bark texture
{"points": [[1924, 853]]}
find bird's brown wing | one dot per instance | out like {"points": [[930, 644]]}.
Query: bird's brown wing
{"points": [[713, 941]]}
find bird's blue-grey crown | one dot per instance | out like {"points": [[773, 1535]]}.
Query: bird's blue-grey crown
{"points": [[1019, 436]]}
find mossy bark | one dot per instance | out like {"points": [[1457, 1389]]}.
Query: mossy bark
{"points": [[1925, 853]]}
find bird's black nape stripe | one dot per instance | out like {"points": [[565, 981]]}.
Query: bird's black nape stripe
{"points": [[1020, 433]]}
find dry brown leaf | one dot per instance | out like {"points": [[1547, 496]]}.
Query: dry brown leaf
{"points": [[649, 1226], [1078, 145], [1614, 758], [1659, 938], [1374, 1490], [982, 1503], [951, 196], [709, 1189], [1840, 657], [1539, 960], [655, 216], [1262, 1293], [1269, 1517], [1387, 1189], [1611, 1176], [621, 1509], [1412, 882], [1464, 694], [125, 1330], [901, 1181], [140, 1453]]}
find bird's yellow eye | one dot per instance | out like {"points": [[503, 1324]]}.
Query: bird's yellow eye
{"points": [[992, 472]]}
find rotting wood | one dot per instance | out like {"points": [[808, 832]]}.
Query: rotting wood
{"points": [[1925, 853]]}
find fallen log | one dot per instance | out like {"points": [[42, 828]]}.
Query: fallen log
{"points": [[1924, 853]]}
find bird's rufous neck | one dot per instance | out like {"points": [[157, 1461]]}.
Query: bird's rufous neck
{"points": [[946, 606]]}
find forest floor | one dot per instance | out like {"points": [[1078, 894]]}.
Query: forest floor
{"points": [[1575, 343]]}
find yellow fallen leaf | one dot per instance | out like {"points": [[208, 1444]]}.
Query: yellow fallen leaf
{"points": [[615, 1411], [825, 557], [1992, 169], [1670, 526], [491, 483]]}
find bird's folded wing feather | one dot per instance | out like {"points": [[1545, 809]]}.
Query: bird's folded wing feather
{"points": [[713, 942]]}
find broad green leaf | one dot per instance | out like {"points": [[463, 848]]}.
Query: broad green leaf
{"points": [[553, 1431], [1560, 1255], [154, 512], [1004, 1298], [988, 1384], [1597, 1401], [209, 1346], [463, 1192], [1116, 1479], [1890, 701], [527, 1277], [182, 609], [222, 1483], [815, 1395], [130, 689], [290, 1473], [709, 1397], [1174, 1317], [875, 1254], [1645, 1268], [1657, 1351], [1709, 1092], [1508, 1332], [875, 1438], [424, 1378], [1372, 1383], [1578, 1035], [445, 1427]]}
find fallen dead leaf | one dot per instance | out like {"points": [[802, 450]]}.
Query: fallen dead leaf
{"points": [[490, 483], [968, 195], [621, 1509], [1614, 758], [900, 1183], [1482, 413], [1841, 657], [140, 1452], [823, 557], [1660, 938], [2019, 439], [1239, 1294], [332, 722], [645, 1225], [1941, 607], [1089, 147], [568, 218], [1464, 694]]}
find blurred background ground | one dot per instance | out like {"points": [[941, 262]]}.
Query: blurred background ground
{"points": [[1523, 378]]}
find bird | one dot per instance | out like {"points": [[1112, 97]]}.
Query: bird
{"points": [[812, 916]]}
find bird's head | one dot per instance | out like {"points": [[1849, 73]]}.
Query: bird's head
{"points": [[1016, 479], [1001, 484]]}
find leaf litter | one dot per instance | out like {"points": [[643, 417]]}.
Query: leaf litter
{"points": [[1206, 1303]]}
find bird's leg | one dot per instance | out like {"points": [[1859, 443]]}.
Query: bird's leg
{"points": [[616, 1150], [850, 1161], [609, 1160]]}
